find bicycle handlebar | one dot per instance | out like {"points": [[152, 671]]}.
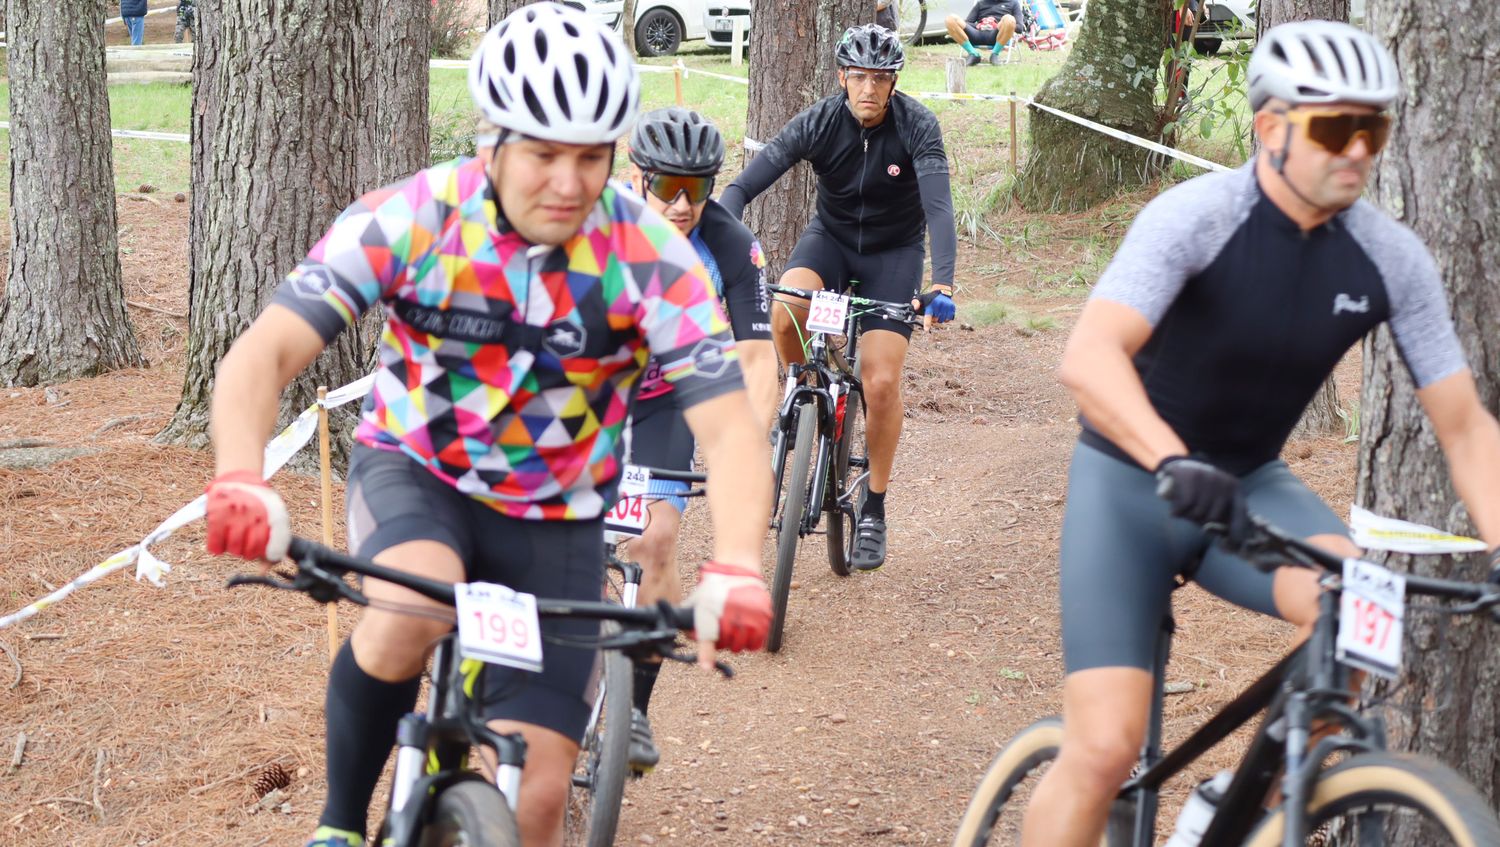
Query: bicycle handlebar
{"points": [[1268, 547], [890, 310], [320, 570]]}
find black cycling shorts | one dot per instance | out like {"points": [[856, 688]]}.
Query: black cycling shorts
{"points": [[660, 438], [1122, 552], [392, 500], [981, 37], [894, 275]]}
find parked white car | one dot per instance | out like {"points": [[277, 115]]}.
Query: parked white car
{"points": [[718, 18], [660, 25], [1225, 19]]}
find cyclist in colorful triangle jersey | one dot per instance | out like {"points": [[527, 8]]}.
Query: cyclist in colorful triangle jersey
{"points": [[1228, 304], [674, 156], [879, 158], [523, 296]]}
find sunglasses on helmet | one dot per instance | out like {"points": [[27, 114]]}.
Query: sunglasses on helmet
{"points": [[667, 187], [1336, 131]]}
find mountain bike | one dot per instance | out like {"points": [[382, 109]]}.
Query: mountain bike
{"points": [[603, 767], [436, 800], [1342, 788], [821, 424]]}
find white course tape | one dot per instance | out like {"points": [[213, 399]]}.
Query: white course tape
{"points": [[1373, 532], [278, 452], [1127, 137], [132, 133], [936, 95], [687, 71]]}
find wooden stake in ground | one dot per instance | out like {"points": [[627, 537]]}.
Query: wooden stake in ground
{"points": [[677, 69], [325, 466]]}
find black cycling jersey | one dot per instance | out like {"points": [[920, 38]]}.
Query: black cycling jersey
{"points": [[870, 181], [1250, 314], [996, 9], [736, 267]]}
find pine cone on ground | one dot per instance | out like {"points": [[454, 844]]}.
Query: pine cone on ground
{"points": [[270, 778]]}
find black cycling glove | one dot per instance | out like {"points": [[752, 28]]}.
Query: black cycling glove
{"points": [[1202, 494]]}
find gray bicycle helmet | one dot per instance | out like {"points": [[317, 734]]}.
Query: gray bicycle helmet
{"points": [[677, 141], [870, 46], [1310, 62]]}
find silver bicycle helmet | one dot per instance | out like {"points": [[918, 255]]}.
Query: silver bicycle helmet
{"points": [[1308, 62], [870, 46], [551, 72], [676, 141]]}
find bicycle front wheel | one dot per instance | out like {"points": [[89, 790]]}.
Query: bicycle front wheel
{"points": [[602, 769], [994, 813], [470, 813], [911, 20], [798, 471], [1389, 799]]}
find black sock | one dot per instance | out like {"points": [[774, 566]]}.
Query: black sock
{"points": [[645, 680], [874, 504], [361, 713]]}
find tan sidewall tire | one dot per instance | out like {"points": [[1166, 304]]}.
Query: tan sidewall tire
{"points": [[1424, 783], [1041, 738]]}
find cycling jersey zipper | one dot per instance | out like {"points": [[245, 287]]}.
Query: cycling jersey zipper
{"points": [[864, 163]]}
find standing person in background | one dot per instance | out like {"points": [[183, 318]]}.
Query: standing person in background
{"points": [[134, 13], [991, 23], [885, 14], [187, 20]]}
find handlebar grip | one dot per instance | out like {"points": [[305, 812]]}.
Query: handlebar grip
{"points": [[678, 616]]}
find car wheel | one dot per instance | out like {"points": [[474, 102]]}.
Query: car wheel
{"points": [[658, 33]]}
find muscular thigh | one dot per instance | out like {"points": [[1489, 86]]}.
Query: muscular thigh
{"points": [[1121, 554]]}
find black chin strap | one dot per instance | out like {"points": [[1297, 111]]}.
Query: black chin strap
{"points": [[1279, 161]]}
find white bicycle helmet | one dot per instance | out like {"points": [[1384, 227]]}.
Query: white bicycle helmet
{"points": [[1306, 62], [553, 73]]}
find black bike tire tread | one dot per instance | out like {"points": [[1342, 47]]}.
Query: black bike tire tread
{"points": [[839, 544], [614, 766], [478, 809], [799, 468], [1414, 780]]}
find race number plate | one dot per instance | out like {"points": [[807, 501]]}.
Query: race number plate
{"points": [[1370, 618], [498, 625], [628, 517], [828, 313]]}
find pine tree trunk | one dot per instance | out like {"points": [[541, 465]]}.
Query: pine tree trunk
{"points": [[1110, 78], [63, 312], [500, 8], [1322, 415], [1269, 13], [1435, 176], [276, 126], [396, 90], [627, 26], [791, 67]]}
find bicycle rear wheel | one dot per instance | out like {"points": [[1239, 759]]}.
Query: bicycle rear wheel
{"points": [[602, 768], [1389, 799], [798, 473], [850, 460], [469, 814], [911, 20]]}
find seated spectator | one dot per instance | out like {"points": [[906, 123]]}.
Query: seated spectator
{"points": [[991, 23], [885, 14]]}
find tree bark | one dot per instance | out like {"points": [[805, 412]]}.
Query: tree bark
{"points": [[627, 26], [1269, 13], [1436, 177], [276, 128], [63, 312], [1322, 415], [791, 67], [1110, 78], [500, 8], [395, 89]]}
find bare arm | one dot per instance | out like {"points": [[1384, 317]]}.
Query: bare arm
{"points": [[1470, 438], [758, 362], [263, 361], [739, 475], [1097, 369]]}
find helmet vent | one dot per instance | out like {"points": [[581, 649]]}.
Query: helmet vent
{"points": [[534, 103], [603, 98], [560, 91], [540, 40]]}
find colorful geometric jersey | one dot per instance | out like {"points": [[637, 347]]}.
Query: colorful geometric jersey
{"points": [[506, 368], [736, 266]]}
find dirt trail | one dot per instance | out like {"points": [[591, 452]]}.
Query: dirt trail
{"points": [[870, 728]]}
